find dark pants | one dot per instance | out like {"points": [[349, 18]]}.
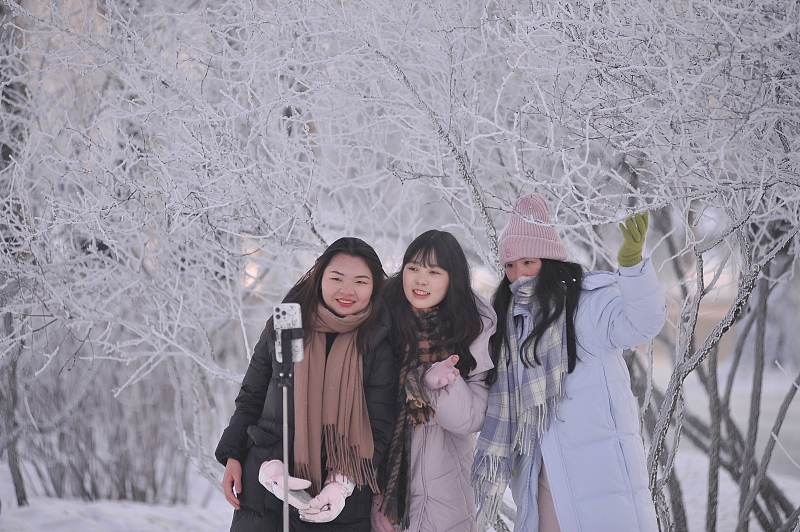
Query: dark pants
{"points": [[354, 517]]}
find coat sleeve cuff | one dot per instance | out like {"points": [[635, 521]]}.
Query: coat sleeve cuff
{"points": [[633, 271]]}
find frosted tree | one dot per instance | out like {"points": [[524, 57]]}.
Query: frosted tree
{"points": [[172, 167]]}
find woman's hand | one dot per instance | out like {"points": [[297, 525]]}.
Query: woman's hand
{"points": [[271, 476], [442, 373], [327, 506], [633, 232], [232, 482], [380, 523]]}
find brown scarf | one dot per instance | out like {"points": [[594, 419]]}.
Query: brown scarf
{"points": [[414, 410], [329, 403]]}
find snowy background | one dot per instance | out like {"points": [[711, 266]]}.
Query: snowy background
{"points": [[169, 169], [207, 509], [215, 514]]}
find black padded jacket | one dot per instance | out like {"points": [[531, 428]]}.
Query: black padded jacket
{"points": [[255, 431]]}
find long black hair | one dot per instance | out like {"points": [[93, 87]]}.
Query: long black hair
{"points": [[557, 290], [307, 290], [458, 313]]}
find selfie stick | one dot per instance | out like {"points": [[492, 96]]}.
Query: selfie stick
{"points": [[285, 381]]}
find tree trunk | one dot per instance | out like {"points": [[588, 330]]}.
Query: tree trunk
{"points": [[9, 387]]}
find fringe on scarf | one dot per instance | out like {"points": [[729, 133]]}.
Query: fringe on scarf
{"points": [[343, 458], [532, 423], [396, 491], [420, 410], [490, 476], [304, 471]]}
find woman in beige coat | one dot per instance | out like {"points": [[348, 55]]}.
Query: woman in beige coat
{"points": [[440, 335]]}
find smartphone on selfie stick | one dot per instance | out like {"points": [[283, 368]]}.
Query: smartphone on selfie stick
{"points": [[288, 324]]}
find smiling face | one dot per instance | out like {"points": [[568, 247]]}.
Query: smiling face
{"points": [[526, 267], [346, 285], [425, 286]]}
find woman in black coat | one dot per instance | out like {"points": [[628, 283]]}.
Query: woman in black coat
{"points": [[341, 408]]}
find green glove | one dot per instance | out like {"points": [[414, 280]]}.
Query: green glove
{"points": [[633, 230]]}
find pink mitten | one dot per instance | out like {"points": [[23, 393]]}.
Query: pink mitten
{"points": [[328, 504], [442, 373], [270, 475]]}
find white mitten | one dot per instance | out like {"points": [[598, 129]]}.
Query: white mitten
{"points": [[442, 373], [328, 504], [270, 475]]}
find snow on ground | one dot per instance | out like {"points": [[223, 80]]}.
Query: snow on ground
{"points": [[208, 510], [692, 471], [58, 515], [55, 515]]}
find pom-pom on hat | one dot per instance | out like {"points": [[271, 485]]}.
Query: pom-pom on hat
{"points": [[524, 238]]}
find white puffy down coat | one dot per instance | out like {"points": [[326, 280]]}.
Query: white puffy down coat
{"points": [[593, 451]]}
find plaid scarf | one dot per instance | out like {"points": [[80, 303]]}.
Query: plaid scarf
{"points": [[521, 401], [414, 410]]}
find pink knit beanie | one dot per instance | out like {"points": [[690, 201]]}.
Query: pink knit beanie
{"points": [[524, 238]]}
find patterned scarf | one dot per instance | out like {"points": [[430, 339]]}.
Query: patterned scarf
{"points": [[414, 410], [522, 400], [339, 413]]}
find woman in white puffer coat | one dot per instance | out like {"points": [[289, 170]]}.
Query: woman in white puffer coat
{"points": [[562, 426]]}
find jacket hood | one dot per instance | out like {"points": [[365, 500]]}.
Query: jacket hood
{"points": [[382, 330], [480, 346], [597, 279], [600, 279]]}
